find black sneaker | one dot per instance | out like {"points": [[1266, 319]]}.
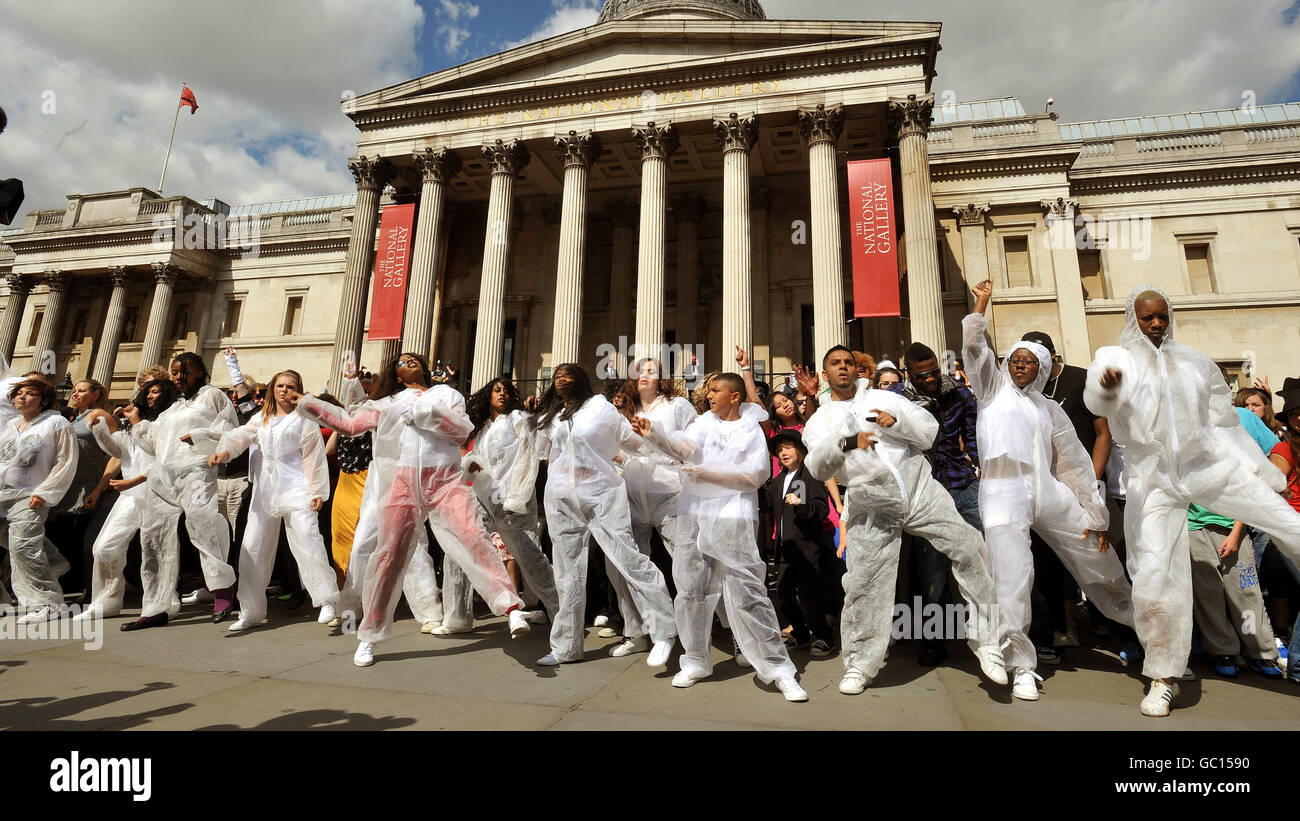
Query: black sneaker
{"points": [[1050, 655], [821, 649]]}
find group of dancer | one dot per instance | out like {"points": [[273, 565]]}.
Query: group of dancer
{"points": [[691, 474]]}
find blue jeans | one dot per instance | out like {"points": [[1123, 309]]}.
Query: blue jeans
{"points": [[932, 567]]}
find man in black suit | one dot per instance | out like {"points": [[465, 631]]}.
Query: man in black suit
{"points": [[805, 541]]}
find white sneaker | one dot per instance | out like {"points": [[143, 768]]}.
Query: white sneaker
{"points": [[741, 661], [1159, 698], [660, 652], [537, 617], [607, 633], [90, 613], [1025, 686], [518, 624], [37, 614], [328, 613], [365, 655], [241, 624], [854, 682], [445, 630], [791, 689], [429, 626], [627, 647], [600, 621], [991, 663], [198, 596], [548, 660], [684, 679]]}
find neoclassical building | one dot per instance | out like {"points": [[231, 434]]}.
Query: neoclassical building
{"points": [[676, 174]]}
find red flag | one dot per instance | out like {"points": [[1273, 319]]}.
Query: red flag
{"points": [[392, 262], [187, 98], [872, 239]]}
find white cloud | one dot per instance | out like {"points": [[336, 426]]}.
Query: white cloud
{"points": [[268, 124], [449, 27], [1108, 58], [568, 15]]}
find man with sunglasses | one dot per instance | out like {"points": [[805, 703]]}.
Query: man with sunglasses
{"points": [[953, 461]]}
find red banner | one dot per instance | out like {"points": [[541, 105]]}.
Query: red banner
{"points": [[873, 239], [392, 262]]}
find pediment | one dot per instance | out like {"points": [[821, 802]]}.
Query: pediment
{"points": [[626, 48]]}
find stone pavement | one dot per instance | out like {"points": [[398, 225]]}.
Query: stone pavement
{"points": [[293, 674]]}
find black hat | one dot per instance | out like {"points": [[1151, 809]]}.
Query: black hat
{"points": [[1040, 338], [786, 435], [1290, 394]]}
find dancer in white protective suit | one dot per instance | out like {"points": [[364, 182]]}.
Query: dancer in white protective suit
{"points": [[582, 433], [1034, 474], [38, 461], [1171, 409], [652, 487], [419, 584], [726, 462], [180, 480], [108, 586], [874, 442], [416, 471], [291, 481], [503, 470]]}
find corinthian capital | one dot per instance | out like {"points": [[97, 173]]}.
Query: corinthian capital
{"points": [[19, 284], [689, 207], [737, 133], [120, 275], [578, 149], [819, 125], [55, 280], [436, 164], [1060, 208], [911, 117], [971, 214], [656, 140], [506, 157], [371, 173], [164, 273]]}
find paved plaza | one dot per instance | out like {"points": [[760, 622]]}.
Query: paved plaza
{"points": [[294, 675]]}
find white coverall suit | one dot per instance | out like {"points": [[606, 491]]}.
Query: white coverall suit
{"points": [[1035, 474], [158, 567], [289, 469], [505, 485], [1183, 444], [181, 481], [40, 460], [584, 497], [416, 473], [419, 585], [717, 550], [891, 489]]}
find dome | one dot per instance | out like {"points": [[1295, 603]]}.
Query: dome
{"points": [[698, 9]]}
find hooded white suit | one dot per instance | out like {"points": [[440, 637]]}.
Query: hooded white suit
{"points": [[1035, 474], [1183, 444]]}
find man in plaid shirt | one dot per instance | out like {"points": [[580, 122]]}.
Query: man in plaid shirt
{"points": [[953, 460]]}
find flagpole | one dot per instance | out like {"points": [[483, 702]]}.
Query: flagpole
{"points": [[175, 117]]}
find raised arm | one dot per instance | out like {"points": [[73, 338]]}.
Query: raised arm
{"points": [[235, 442], [980, 360], [364, 418], [106, 439]]}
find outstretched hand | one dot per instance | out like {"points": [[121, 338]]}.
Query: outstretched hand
{"points": [[1112, 378], [641, 425], [806, 380], [742, 357], [983, 293]]}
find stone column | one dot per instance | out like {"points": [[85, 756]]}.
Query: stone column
{"points": [[160, 310], [624, 216], [440, 288], [821, 129], [737, 135], [909, 120], [689, 209], [47, 337], [114, 317], [577, 152], [974, 253], [1072, 343], [19, 287], [437, 167], [371, 174], [657, 143], [506, 160]]}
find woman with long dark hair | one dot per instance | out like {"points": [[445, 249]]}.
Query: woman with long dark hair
{"points": [[128, 516], [581, 433], [503, 469], [291, 481], [417, 474], [181, 439]]}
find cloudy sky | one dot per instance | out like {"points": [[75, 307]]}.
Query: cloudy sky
{"points": [[90, 88]]}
